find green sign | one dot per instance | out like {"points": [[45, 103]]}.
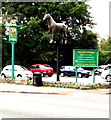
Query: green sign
{"points": [[85, 57], [13, 31]]}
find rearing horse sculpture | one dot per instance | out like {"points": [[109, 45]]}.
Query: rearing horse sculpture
{"points": [[55, 27]]}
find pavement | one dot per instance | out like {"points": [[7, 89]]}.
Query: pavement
{"points": [[31, 89], [13, 88], [16, 88]]}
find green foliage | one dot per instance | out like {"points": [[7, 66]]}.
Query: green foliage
{"points": [[105, 50], [81, 86], [90, 38], [105, 44], [33, 40]]}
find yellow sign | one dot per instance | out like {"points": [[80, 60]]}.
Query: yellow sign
{"points": [[12, 22], [13, 31]]}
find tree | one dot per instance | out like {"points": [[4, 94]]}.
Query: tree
{"points": [[33, 40], [89, 40], [105, 50]]}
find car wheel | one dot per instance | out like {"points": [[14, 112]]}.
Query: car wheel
{"points": [[69, 75], [3, 76], [19, 75], [62, 74], [108, 78], [42, 75], [79, 75], [49, 75], [87, 76]]}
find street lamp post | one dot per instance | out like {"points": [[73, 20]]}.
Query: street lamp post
{"points": [[58, 54]]}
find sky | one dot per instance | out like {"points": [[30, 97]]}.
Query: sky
{"points": [[100, 14]]}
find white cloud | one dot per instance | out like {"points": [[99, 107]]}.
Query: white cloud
{"points": [[100, 14]]}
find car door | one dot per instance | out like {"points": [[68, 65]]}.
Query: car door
{"points": [[37, 68], [8, 72]]}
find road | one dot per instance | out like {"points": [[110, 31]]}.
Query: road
{"points": [[46, 102]]}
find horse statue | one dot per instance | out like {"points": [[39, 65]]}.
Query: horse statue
{"points": [[55, 27]]}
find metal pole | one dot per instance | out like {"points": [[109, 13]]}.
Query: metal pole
{"points": [[93, 75], [13, 44], [58, 63], [76, 74]]}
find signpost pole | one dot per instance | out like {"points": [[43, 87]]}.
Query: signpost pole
{"points": [[76, 74], [85, 58], [93, 75], [13, 32], [13, 45]]}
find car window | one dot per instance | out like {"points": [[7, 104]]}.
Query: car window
{"points": [[99, 68], [37, 67], [7, 69], [108, 67], [23, 67], [32, 67], [47, 66], [62, 67]]}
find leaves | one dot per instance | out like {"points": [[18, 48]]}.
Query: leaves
{"points": [[105, 50], [33, 38]]}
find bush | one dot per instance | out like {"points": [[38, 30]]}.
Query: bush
{"points": [[77, 85]]}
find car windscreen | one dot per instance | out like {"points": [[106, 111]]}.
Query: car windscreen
{"points": [[23, 67], [46, 66]]}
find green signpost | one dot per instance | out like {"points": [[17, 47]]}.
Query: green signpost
{"points": [[13, 32], [85, 58]]}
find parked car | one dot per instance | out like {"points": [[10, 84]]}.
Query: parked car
{"points": [[19, 71], [45, 69], [71, 71], [106, 74], [101, 68]]}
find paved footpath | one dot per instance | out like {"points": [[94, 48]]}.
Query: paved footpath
{"points": [[46, 90]]}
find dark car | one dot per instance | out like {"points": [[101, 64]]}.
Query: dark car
{"points": [[45, 69], [71, 71]]}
